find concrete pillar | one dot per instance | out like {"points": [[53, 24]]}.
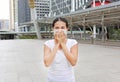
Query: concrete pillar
{"points": [[84, 29], [98, 31], [103, 33], [37, 29], [93, 3], [83, 2], [94, 31], [26, 29], [102, 24], [72, 5]]}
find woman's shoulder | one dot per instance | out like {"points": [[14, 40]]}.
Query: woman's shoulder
{"points": [[72, 42], [49, 42]]}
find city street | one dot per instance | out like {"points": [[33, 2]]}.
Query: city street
{"points": [[22, 61]]}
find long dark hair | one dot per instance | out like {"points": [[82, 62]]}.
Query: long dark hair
{"points": [[60, 19]]}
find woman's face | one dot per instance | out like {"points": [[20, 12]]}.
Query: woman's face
{"points": [[60, 25]]}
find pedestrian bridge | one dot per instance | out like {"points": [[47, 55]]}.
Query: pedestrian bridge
{"points": [[104, 17], [99, 15]]}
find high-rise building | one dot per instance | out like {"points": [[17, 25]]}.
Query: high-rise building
{"points": [[23, 12], [66, 6], [4, 25], [13, 14], [58, 7], [20, 12], [81, 4], [42, 8]]}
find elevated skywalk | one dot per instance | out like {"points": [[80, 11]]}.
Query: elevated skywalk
{"points": [[107, 14], [103, 16]]}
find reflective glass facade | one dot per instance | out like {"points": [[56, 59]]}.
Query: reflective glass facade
{"points": [[42, 8], [60, 7], [66, 6], [23, 12]]}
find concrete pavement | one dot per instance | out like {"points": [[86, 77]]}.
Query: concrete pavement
{"points": [[22, 61]]}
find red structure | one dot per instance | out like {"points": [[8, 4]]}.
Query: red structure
{"points": [[99, 2]]}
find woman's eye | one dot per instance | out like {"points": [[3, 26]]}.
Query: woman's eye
{"points": [[62, 27], [56, 27]]}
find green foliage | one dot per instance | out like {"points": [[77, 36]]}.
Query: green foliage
{"points": [[115, 34], [28, 37]]}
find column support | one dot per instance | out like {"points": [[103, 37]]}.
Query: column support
{"points": [[84, 28], [103, 32], [37, 29], [94, 31]]}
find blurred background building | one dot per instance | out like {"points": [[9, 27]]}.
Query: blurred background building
{"points": [[21, 16], [42, 8], [20, 12], [4, 25], [66, 6]]}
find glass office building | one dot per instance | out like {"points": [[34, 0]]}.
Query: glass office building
{"points": [[23, 12], [42, 8], [4, 25], [59, 7], [66, 6]]}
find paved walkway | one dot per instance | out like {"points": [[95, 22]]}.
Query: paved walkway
{"points": [[22, 61], [99, 42]]}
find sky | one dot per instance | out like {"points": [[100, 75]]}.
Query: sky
{"points": [[4, 9]]}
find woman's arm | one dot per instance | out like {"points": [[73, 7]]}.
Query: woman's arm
{"points": [[49, 54], [71, 55]]}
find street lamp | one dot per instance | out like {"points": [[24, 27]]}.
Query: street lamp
{"points": [[34, 18]]}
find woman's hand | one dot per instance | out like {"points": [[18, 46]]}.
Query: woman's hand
{"points": [[60, 38], [57, 39]]}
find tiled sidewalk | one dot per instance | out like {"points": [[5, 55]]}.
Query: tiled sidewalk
{"points": [[99, 42], [22, 61]]}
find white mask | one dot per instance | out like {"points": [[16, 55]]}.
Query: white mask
{"points": [[59, 30]]}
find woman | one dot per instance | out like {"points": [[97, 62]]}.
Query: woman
{"points": [[60, 53]]}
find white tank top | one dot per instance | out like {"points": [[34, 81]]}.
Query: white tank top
{"points": [[60, 69]]}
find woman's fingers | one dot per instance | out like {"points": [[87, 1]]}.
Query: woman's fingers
{"points": [[60, 36]]}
